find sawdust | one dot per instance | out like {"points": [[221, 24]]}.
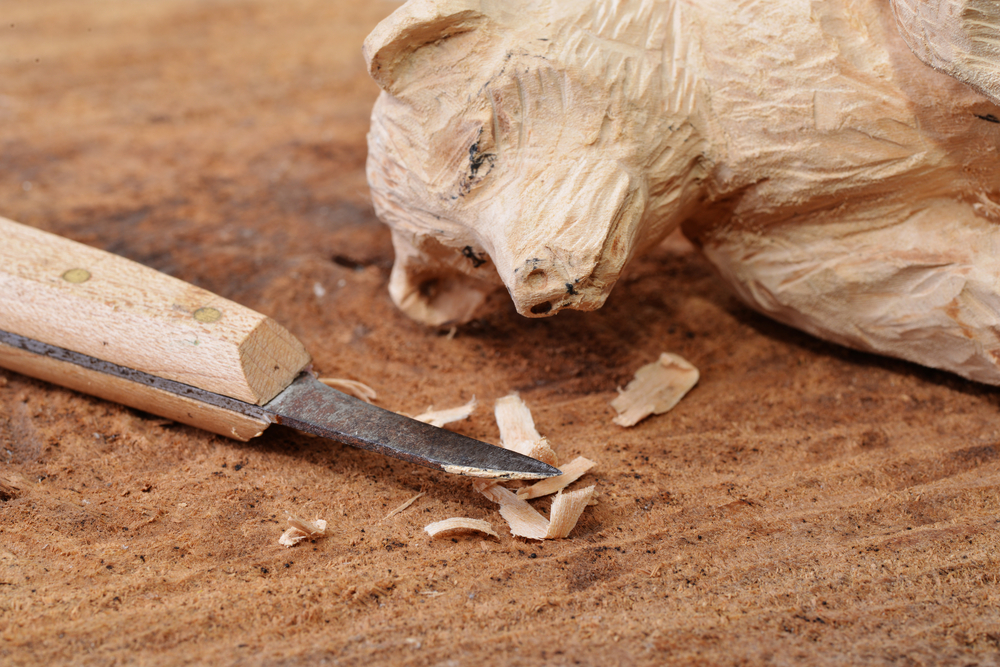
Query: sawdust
{"points": [[804, 505], [11, 485]]}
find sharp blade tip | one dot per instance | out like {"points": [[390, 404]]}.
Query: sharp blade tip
{"points": [[538, 471], [547, 471]]}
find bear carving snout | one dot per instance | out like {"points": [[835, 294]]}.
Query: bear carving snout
{"points": [[565, 245]]}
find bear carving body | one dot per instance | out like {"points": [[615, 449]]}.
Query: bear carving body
{"points": [[836, 160]]}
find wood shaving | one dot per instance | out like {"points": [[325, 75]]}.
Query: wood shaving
{"points": [[515, 421], [523, 519], [517, 430], [301, 530], [518, 433], [441, 417], [481, 484], [566, 511], [657, 388], [352, 388], [404, 505], [459, 524], [572, 471]]}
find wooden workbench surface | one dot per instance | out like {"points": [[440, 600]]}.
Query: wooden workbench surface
{"points": [[803, 504]]}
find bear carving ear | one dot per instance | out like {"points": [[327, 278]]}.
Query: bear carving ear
{"points": [[390, 49], [957, 37]]}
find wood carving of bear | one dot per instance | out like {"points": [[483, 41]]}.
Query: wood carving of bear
{"points": [[836, 160]]}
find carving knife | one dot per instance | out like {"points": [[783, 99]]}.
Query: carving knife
{"points": [[106, 326]]}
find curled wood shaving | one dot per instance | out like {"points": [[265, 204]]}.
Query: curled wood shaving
{"points": [[351, 387], [404, 505], [572, 471], [518, 433], [517, 430], [459, 524], [657, 388], [566, 511], [301, 530], [441, 417], [523, 519]]}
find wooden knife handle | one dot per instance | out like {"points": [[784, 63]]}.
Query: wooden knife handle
{"points": [[76, 297], [119, 390]]}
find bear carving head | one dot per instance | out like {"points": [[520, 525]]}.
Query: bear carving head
{"points": [[511, 136]]}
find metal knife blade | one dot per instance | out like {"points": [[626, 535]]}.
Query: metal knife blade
{"points": [[308, 405]]}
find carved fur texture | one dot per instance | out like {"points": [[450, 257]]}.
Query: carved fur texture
{"points": [[837, 160]]}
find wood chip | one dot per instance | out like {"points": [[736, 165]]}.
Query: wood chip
{"points": [[523, 519], [657, 388], [566, 511], [352, 388], [441, 417], [572, 471], [517, 430], [301, 530], [518, 433], [481, 484], [515, 421], [459, 524], [404, 505]]}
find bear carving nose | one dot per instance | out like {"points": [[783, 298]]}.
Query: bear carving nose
{"points": [[562, 242], [544, 286]]}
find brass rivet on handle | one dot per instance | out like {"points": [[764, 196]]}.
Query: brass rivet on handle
{"points": [[76, 276], [207, 315]]}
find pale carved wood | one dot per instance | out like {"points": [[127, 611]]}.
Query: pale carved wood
{"points": [[837, 160], [958, 37]]}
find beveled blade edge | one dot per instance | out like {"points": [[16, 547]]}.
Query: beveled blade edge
{"points": [[311, 406]]}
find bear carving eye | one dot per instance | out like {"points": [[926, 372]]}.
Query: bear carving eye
{"points": [[480, 163]]}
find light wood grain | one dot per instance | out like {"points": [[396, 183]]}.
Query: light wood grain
{"points": [[958, 37], [117, 310], [837, 182], [156, 401]]}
